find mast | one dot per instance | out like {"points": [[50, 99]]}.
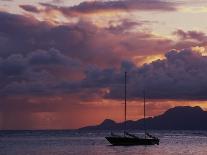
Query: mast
{"points": [[144, 116], [125, 94]]}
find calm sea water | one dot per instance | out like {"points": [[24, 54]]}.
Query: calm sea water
{"points": [[94, 143]]}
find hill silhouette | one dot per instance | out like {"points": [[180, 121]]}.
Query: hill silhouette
{"points": [[177, 118]]}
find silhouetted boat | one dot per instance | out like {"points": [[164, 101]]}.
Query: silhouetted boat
{"points": [[130, 139]]}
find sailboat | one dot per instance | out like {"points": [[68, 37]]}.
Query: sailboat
{"points": [[130, 139]]}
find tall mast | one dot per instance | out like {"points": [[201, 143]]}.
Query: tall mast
{"points": [[125, 94], [144, 116]]}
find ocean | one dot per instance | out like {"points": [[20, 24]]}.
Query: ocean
{"points": [[94, 143]]}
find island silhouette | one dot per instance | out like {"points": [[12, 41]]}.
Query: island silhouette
{"points": [[177, 118]]}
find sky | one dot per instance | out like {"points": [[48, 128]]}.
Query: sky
{"points": [[62, 63]]}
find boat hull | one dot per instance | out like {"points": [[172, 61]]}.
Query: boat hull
{"points": [[127, 141]]}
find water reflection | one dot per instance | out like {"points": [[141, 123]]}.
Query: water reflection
{"points": [[172, 143]]}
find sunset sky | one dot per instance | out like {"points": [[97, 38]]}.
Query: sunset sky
{"points": [[62, 62]]}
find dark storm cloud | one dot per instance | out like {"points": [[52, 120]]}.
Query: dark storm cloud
{"points": [[51, 57], [83, 41], [13, 65], [37, 58], [182, 75], [104, 6], [16, 63], [19, 34], [33, 74]]}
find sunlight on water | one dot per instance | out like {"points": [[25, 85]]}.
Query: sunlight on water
{"points": [[69, 143]]}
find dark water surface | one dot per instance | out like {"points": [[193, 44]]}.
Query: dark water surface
{"points": [[94, 143]]}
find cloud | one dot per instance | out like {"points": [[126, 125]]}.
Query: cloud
{"points": [[51, 57], [23, 35], [13, 65], [38, 58], [124, 25], [193, 35], [57, 1], [30, 8], [35, 73], [104, 6], [180, 76], [82, 40], [91, 7]]}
